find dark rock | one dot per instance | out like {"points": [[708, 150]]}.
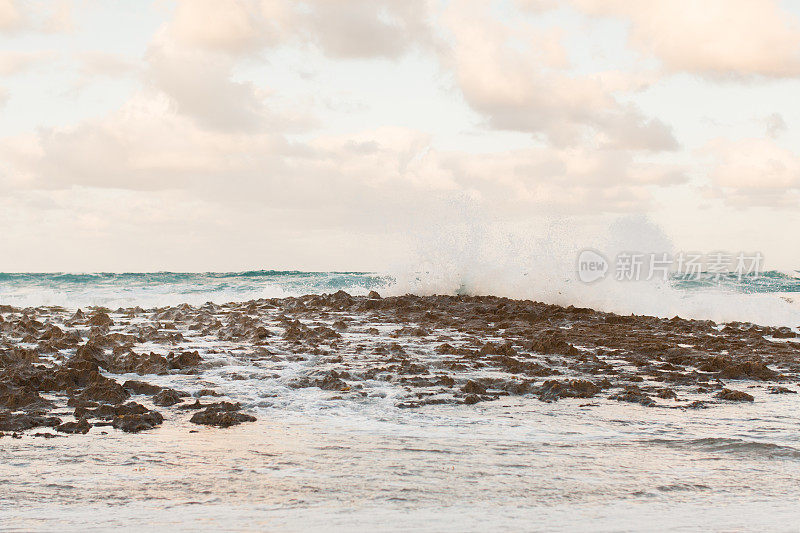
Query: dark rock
{"points": [[734, 396], [184, 360], [106, 391], [206, 392], [332, 381], [81, 426], [552, 390], [141, 387], [552, 342], [729, 369], [261, 333], [101, 319], [134, 423], [667, 394], [633, 394], [471, 399], [213, 416], [167, 397], [21, 422], [780, 390], [108, 412], [473, 387]]}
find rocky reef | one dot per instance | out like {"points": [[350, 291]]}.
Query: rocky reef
{"points": [[66, 373]]}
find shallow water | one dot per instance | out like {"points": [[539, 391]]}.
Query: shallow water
{"points": [[321, 460], [512, 464]]}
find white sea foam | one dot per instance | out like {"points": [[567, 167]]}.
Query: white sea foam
{"points": [[479, 258]]}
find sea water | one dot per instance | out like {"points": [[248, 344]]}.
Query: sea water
{"points": [[315, 463]]}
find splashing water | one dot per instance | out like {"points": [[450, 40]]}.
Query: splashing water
{"points": [[772, 298]]}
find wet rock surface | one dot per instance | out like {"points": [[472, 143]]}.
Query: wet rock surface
{"points": [[128, 368]]}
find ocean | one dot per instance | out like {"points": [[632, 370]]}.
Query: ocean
{"points": [[369, 454], [772, 298]]}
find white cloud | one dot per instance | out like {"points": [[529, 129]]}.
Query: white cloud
{"points": [[714, 38], [12, 63], [511, 83], [11, 17], [366, 28], [96, 63], [147, 145], [235, 27], [341, 28], [201, 87], [754, 172], [45, 17], [205, 149]]}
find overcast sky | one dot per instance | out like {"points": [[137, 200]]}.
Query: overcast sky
{"points": [[359, 134]]}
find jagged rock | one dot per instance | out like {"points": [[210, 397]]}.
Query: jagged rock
{"points": [[141, 387], [81, 426], [134, 423], [776, 389], [552, 390], [106, 391], [167, 397], [101, 319], [473, 387], [20, 421], [633, 394], [734, 396], [222, 415], [331, 381], [184, 360]]}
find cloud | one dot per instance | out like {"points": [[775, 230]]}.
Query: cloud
{"points": [[236, 27], [44, 17], [366, 28], [11, 18], [96, 64], [145, 145], [749, 172], [60, 18], [713, 38], [575, 180], [12, 63], [513, 85], [149, 146], [340, 28], [201, 87]]}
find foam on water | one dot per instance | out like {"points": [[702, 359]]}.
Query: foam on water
{"points": [[313, 461], [773, 299]]}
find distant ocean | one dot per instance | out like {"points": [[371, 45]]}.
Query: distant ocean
{"points": [[771, 298]]}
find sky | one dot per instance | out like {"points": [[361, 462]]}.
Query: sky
{"points": [[232, 135]]}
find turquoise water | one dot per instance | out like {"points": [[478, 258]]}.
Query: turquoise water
{"points": [[170, 288], [771, 281], [772, 298]]}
